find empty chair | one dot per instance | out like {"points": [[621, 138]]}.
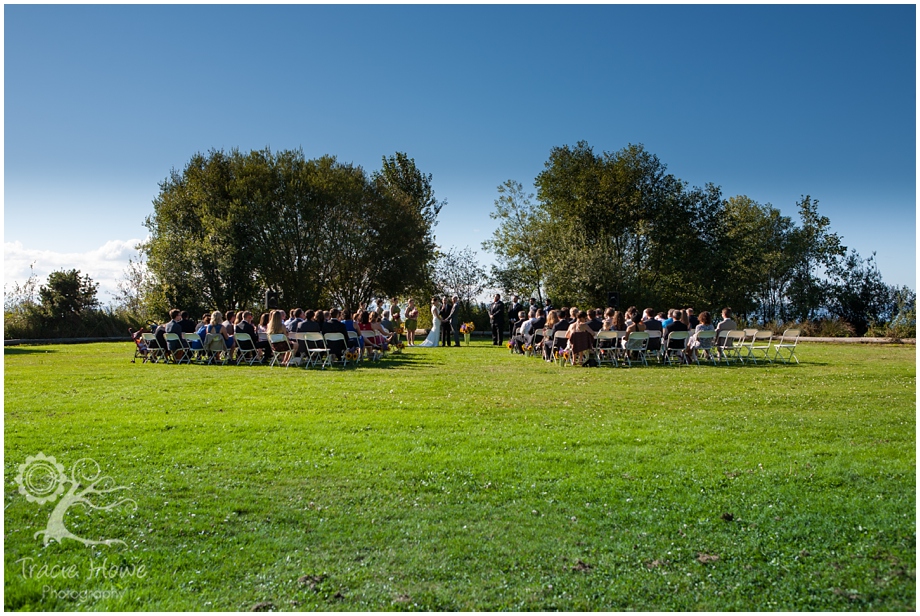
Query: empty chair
{"points": [[786, 344], [760, 344]]}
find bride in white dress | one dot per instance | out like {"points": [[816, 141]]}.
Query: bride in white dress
{"points": [[434, 336]]}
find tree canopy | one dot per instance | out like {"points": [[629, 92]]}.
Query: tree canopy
{"points": [[231, 225], [618, 222]]}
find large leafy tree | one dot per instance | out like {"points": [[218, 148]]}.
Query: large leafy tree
{"points": [[458, 272], [405, 229], [815, 250], [859, 296], [520, 242], [68, 294], [231, 225]]}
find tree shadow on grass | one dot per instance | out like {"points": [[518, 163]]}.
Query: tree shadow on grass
{"points": [[26, 350], [400, 360]]}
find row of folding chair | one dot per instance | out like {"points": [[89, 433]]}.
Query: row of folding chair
{"points": [[214, 349], [735, 345]]}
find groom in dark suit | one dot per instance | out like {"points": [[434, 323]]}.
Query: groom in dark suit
{"points": [[445, 321], [497, 320]]}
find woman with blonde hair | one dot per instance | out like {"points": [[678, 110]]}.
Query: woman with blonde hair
{"points": [[276, 326]]}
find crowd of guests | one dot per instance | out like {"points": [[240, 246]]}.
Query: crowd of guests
{"points": [[581, 328], [383, 320]]}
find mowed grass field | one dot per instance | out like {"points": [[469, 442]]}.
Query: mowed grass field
{"points": [[469, 479]]}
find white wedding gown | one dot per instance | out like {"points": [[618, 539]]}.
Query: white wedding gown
{"points": [[434, 336]]}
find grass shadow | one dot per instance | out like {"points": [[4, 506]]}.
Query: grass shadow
{"points": [[26, 350]]}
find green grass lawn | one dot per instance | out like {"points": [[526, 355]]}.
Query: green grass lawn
{"points": [[470, 479]]}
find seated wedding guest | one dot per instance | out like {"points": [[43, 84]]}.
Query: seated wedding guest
{"points": [[230, 321], [691, 316], [205, 319], [607, 321], [705, 324], [385, 321], [581, 338], [294, 321], [383, 333], [725, 325], [308, 324], [335, 326], [617, 322], [216, 326], [519, 339], [677, 325], [348, 319], [551, 321], [245, 326], [594, 321], [175, 327], [263, 324], [537, 323], [276, 326], [634, 324], [652, 324], [566, 318], [188, 324], [670, 319], [685, 319], [632, 310], [203, 330], [365, 325]]}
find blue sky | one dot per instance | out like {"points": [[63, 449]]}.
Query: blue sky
{"points": [[769, 101]]}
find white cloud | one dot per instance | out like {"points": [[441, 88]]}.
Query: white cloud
{"points": [[105, 265]]}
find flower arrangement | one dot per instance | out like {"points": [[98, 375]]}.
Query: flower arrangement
{"points": [[352, 355], [398, 348], [400, 330], [509, 345], [467, 328]]}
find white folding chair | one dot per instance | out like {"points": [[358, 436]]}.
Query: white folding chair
{"points": [[372, 350], [605, 347], [636, 343], [653, 348], [246, 351], [536, 342], [761, 344], [559, 344], [216, 349], [195, 345], [336, 337], [676, 345], [182, 353], [154, 351], [731, 345], [317, 353], [278, 355], [787, 344], [707, 341]]}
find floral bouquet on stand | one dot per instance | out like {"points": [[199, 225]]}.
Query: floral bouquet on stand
{"points": [[466, 329]]}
